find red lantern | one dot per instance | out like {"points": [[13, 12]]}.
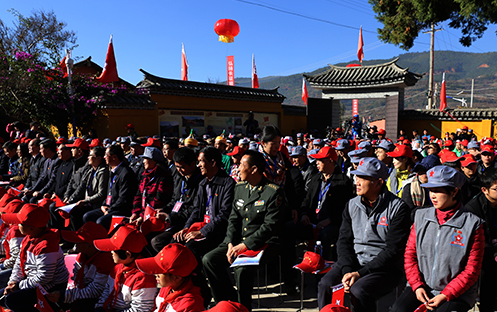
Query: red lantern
{"points": [[227, 30]]}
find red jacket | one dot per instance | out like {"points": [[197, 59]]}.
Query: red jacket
{"points": [[185, 299], [462, 281]]}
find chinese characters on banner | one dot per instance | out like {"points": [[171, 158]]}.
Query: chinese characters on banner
{"points": [[355, 107], [231, 70]]}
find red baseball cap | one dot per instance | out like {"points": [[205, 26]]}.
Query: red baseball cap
{"points": [[487, 148], [30, 214], [467, 160], [129, 126], [401, 151], [6, 198], [80, 143], [325, 152], [464, 143], [406, 141], [400, 139], [311, 263], [152, 142], [449, 143], [61, 140], [237, 150], [228, 306], [126, 238], [174, 259], [465, 128], [381, 131], [13, 206], [334, 308], [89, 232], [95, 143], [448, 156]]}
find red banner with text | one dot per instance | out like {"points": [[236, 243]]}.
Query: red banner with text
{"points": [[355, 107], [231, 70]]}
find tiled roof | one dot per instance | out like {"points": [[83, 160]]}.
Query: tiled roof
{"points": [[207, 90], [87, 62], [128, 101], [388, 74], [463, 114]]}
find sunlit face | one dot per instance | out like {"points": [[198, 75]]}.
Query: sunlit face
{"points": [[491, 193], [298, 161], [400, 162], [164, 279], [381, 154], [63, 152], [9, 153], [441, 199], [203, 164], [93, 160], [272, 147], [19, 152], [220, 146], [168, 152], [322, 164], [245, 170], [366, 186], [33, 149], [423, 178], [149, 164]]}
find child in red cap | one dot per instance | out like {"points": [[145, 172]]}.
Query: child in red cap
{"points": [[172, 267], [11, 243], [40, 262], [91, 270], [127, 287]]}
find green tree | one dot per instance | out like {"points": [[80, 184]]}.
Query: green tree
{"points": [[403, 20]]}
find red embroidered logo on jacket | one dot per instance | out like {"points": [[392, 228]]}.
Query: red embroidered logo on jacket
{"points": [[383, 221], [458, 239]]}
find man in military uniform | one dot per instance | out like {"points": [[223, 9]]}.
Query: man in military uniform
{"points": [[252, 226]]}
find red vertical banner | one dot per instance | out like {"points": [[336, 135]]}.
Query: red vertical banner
{"points": [[231, 70], [355, 107]]}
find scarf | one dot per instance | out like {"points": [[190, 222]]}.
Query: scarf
{"points": [[396, 177], [28, 240], [80, 276], [118, 283], [417, 193], [275, 168], [172, 295]]}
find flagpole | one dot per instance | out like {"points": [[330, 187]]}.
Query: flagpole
{"points": [[69, 66]]}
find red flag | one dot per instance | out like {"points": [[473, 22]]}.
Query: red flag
{"points": [[360, 52], [109, 74], [255, 80], [443, 96], [305, 95], [42, 303], [184, 64], [338, 294], [231, 70], [116, 220], [63, 66]]}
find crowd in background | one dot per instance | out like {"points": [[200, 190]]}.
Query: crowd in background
{"points": [[377, 205]]}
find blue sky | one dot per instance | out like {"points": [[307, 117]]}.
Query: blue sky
{"points": [[148, 35]]}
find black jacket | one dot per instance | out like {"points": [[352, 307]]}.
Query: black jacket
{"points": [[63, 176], [80, 167], [222, 193], [480, 206], [186, 192], [334, 200], [122, 189], [46, 182], [35, 170]]}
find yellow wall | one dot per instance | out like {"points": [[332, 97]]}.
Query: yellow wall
{"points": [[110, 123], [480, 128], [289, 123]]}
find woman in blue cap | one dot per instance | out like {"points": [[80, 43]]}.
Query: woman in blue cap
{"points": [[445, 249]]}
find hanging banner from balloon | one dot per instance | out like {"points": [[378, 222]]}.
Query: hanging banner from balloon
{"points": [[227, 30], [231, 70]]}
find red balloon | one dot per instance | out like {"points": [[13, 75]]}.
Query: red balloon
{"points": [[227, 29]]}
